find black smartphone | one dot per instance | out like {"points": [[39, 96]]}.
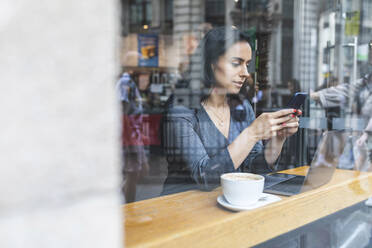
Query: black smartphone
{"points": [[297, 100]]}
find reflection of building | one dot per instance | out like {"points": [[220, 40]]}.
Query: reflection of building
{"points": [[296, 39], [179, 25], [305, 42], [188, 17], [344, 33]]}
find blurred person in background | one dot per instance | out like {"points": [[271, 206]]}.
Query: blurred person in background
{"points": [[364, 146], [135, 164], [356, 98]]}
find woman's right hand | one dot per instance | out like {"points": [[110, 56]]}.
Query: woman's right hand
{"points": [[267, 125]]}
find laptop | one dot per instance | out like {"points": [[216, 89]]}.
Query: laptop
{"points": [[321, 170]]}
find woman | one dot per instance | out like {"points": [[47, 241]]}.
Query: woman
{"points": [[203, 143]]}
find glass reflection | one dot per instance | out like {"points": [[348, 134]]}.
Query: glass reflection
{"points": [[323, 48]]}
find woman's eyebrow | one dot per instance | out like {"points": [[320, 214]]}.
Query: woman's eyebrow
{"points": [[240, 59]]}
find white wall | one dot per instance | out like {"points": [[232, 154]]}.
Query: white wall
{"points": [[59, 163]]}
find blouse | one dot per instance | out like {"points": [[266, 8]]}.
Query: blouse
{"points": [[197, 152]]}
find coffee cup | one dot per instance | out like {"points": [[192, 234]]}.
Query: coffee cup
{"points": [[242, 189]]}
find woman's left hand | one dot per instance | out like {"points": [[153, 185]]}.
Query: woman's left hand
{"points": [[291, 127]]}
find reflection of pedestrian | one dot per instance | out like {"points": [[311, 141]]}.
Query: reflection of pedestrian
{"points": [[358, 94], [364, 147], [366, 133], [357, 97], [135, 162]]}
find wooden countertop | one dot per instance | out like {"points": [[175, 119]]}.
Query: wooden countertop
{"points": [[194, 218]]}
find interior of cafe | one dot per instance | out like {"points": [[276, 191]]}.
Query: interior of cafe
{"points": [[297, 112]]}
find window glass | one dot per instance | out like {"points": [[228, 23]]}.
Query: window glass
{"points": [[178, 56]]}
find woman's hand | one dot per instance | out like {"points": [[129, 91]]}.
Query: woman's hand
{"points": [[269, 125], [290, 127]]}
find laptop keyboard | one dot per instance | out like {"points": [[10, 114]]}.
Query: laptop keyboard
{"points": [[272, 180], [291, 186], [286, 187]]}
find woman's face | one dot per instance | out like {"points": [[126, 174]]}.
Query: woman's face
{"points": [[231, 69]]}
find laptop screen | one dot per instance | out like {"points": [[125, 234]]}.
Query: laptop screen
{"points": [[323, 165], [326, 159], [330, 149]]}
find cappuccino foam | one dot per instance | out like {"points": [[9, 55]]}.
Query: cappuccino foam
{"points": [[241, 177]]}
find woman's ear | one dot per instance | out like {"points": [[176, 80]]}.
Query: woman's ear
{"points": [[213, 67]]}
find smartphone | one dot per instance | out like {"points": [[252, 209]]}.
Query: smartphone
{"points": [[297, 100]]}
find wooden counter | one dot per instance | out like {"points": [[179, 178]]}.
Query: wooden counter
{"points": [[194, 218]]}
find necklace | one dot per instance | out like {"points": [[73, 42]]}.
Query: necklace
{"points": [[220, 118]]}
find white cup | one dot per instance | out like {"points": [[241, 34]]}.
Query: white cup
{"points": [[242, 188]]}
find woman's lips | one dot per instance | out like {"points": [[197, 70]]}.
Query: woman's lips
{"points": [[238, 84]]}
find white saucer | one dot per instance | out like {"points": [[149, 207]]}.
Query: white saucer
{"points": [[264, 200]]}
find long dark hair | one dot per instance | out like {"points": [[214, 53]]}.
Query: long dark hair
{"points": [[213, 45]]}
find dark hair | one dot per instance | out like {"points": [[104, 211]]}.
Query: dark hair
{"points": [[296, 84], [213, 45]]}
